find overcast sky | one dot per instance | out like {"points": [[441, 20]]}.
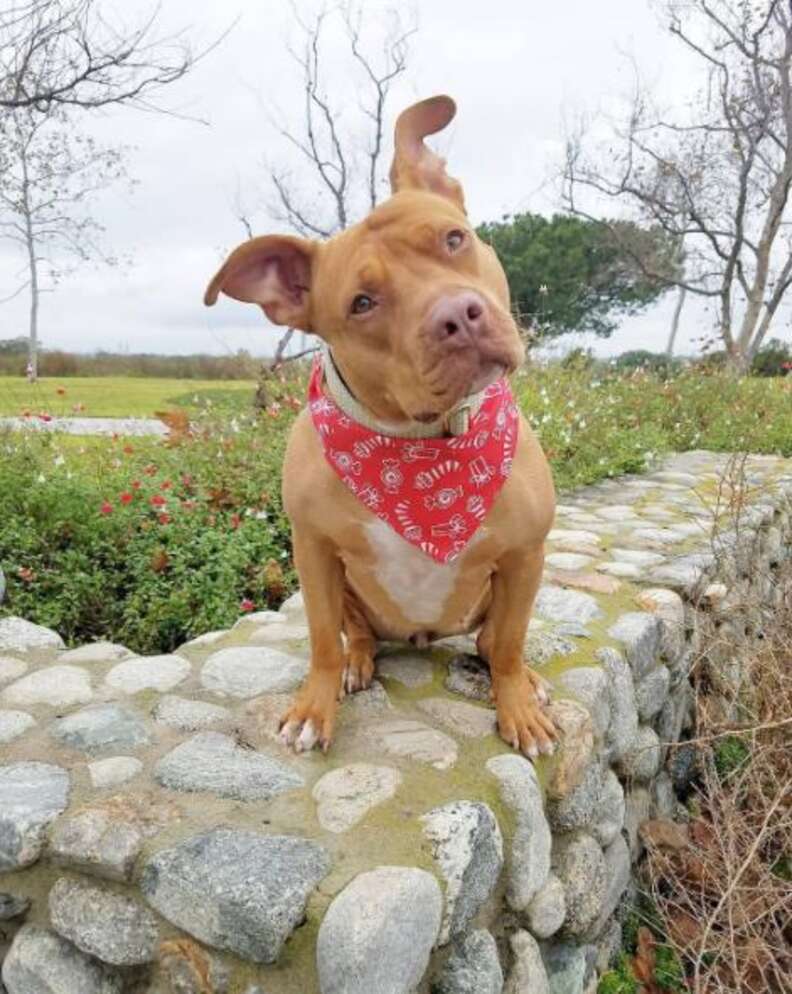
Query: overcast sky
{"points": [[518, 69]]}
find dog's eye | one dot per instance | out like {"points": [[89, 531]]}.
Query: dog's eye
{"points": [[455, 239], [362, 304]]}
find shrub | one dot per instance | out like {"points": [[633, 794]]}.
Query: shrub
{"points": [[773, 359]]}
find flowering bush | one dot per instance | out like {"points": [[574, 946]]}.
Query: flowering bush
{"points": [[151, 543]]}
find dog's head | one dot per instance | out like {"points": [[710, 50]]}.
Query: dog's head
{"points": [[413, 304]]}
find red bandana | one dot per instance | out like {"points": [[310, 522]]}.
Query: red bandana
{"points": [[435, 492]]}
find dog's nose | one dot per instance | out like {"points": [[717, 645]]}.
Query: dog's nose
{"points": [[457, 320]]}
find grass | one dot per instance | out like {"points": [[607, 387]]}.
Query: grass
{"points": [[116, 396]]}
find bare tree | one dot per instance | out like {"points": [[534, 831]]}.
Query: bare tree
{"points": [[65, 52], [336, 172], [48, 170], [716, 175]]}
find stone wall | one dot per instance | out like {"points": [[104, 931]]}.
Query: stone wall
{"points": [[155, 839]]}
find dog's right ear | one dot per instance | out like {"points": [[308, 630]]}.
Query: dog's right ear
{"points": [[415, 166], [273, 271]]}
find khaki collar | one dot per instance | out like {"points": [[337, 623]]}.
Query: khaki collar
{"points": [[454, 422]]}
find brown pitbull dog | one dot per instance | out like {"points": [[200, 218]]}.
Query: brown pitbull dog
{"points": [[415, 311]]}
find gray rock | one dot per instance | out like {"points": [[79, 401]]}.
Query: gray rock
{"points": [[31, 796], [41, 962], [359, 951], [236, 890], [626, 571], [540, 647], [663, 798], [557, 604], [414, 740], [55, 686], [470, 676], [617, 875], [191, 969], [12, 907], [467, 845], [294, 606], [410, 670], [528, 974], [18, 635], [623, 727], [651, 693], [568, 560], [148, 673], [113, 928], [580, 865], [213, 762], [609, 816], [248, 671], [635, 556], [639, 632], [113, 771], [188, 715], [458, 716], [529, 859], [683, 573], [103, 726], [578, 807], [472, 968], [670, 608], [11, 669], [547, 911], [95, 652], [609, 945], [570, 968], [105, 838], [590, 685], [637, 808], [345, 795], [13, 724], [642, 761]]}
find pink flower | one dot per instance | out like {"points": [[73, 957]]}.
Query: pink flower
{"points": [[163, 519], [247, 605], [157, 500], [125, 498], [106, 508]]}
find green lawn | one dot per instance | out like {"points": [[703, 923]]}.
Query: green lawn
{"points": [[115, 396]]}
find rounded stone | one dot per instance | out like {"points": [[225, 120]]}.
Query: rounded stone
{"points": [[458, 716], [528, 974], [580, 865], [359, 950], [344, 796], [241, 891], [113, 771], [412, 671], [57, 686], [113, 928], [639, 632], [568, 560], [13, 724], [104, 726], [414, 740], [18, 635], [472, 968], [577, 808], [642, 761], [590, 685], [651, 693], [468, 847], [545, 914], [557, 604], [148, 673], [609, 816], [249, 671], [188, 715], [41, 962], [95, 652], [31, 796], [11, 669]]}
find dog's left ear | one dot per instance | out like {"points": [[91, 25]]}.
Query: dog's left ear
{"points": [[273, 271], [416, 167]]}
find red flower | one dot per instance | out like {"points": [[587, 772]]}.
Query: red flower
{"points": [[247, 605], [235, 520], [163, 519], [165, 485], [45, 417], [157, 500], [25, 573], [135, 484], [128, 450], [106, 508], [125, 498]]}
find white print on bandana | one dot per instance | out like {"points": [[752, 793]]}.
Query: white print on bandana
{"points": [[434, 493]]}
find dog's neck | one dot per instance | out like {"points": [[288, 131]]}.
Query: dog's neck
{"points": [[453, 422]]}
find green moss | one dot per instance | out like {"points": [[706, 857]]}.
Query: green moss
{"points": [[730, 754], [619, 980], [669, 973]]}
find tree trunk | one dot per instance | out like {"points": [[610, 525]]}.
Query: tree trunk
{"points": [[675, 322], [30, 244]]}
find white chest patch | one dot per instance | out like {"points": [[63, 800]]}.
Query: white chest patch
{"points": [[416, 583]]}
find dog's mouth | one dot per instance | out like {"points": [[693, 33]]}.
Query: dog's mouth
{"points": [[489, 373]]}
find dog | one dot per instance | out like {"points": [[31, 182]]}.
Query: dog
{"points": [[419, 497]]}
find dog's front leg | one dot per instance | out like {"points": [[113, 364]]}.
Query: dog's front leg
{"points": [[311, 717], [517, 690]]}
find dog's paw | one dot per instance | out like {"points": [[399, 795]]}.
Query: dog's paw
{"points": [[522, 721], [358, 673], [310, 719]]}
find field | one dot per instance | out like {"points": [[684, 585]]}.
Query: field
{"points": [[115, 396]]}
